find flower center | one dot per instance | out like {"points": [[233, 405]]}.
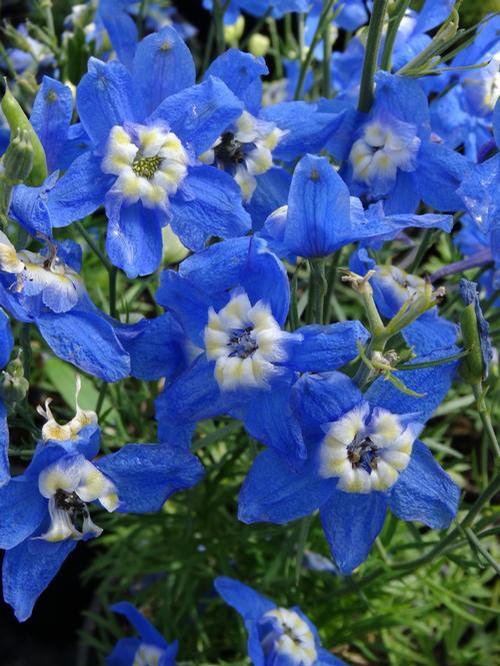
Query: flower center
{"points": [[146, 166], [229, 151], [283, 631], [367, 451], [385, 146], [245, 342]]}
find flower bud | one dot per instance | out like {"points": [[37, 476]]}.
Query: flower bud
{"points": [[258, 45], [13, 383], [234, 31], [17, 160], [18, 121], [475, 329]]}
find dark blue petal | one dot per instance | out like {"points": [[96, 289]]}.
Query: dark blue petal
{"points": [[322, 398], [402, 97], [312, 229], [496, 122], [51, 118], [6, 340], [145, 475], [22, 509], [424, 491], [133, 239], [246, 601], [124, 652], [207, 204], [163, 66], [440, 172], [121, 29], [200, 114], [155, 346], [4, 445], [144, 628], [267, 417], [86, 340], [352, 522], [29, 207], [431, 333], [79, 192], [276, 492], [271, 193], [27, 571], [308, 129], [106, 97], [326, 348], [242, 73]]}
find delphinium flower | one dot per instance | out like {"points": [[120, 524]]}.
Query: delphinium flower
{"points": [[46, 509], [276, 635], [232, 300], [363, 458], [249, 147], [149, 649], [45, 288], [147, 129], [6, 345], [278, 8]]}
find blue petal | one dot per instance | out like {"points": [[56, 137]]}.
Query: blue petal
{"points": [[200, 114], [326, 348], [29, 207], [424, 491], [145, 475], [6, 340], [144, 628], [79, 192], [163, 66], [106, 97], [51, 118], [326, 658], [22, 509], [271, 193], [155, 346], [315, 192], [133, 239], [352, 522], [242, 73], [86, 340], [4, 445], [275, 492], [267, 417], [440, 174], [27, 571], [434, 382], [431, 333], [121, 29], [402, 97], [208, 203], [308, 128], [496, 122], [124, 652], [322, 398], [246, 601]]}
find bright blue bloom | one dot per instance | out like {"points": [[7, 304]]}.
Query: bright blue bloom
{"points": [[6, 345], [363, 459], [276, 636], [321, 217], [45, 510], [147, 129], [394, 157], [45, 288], [249, 146], [232, 301], [259, 8], [150, 648]]}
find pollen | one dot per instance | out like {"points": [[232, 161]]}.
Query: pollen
{"points": [[146, 166]]}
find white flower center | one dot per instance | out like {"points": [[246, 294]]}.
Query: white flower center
{"points": [[69, 484], [245, 342], [245, 151], [148, 655], [366, 452], [386, 146], [150, 163], [290, 636]]}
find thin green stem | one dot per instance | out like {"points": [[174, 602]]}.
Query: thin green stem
{"points": [[275, 41], [484, 552], [112, 275], [317, 289], [100, 398], [392, 31], [423, 246], [208, 47], [218, 13], [93, 245], [485, 417], [294, 310], [371, 55], [330, 286], [431, 364], [327, 54]]}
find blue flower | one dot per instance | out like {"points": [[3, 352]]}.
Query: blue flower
{"points": [[259, 7], [276, 636], [45, 510], [150, 648], [232, 301], [6, 345], [321, 217], [45, 288], [147, 129], [364, 457]]}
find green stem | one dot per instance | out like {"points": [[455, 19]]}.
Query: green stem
{"points": [[112, 275], [485, 417], [100, 398], [422, 249], [275, 41], [432, 364], [317, 289], [484, 552], [330, 285], [208, 47], [218, 13], [392, 31], [93, 245], [294, 311], [324, 20], [371, 55], [327, 54]]}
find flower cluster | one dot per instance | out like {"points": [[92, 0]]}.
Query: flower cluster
{"points": [[243, 210]]}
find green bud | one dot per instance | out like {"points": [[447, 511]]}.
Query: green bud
{"points": [[259, 45], [18, 122], [234, 31], [472, 367], [13, 384], [17, 160]]}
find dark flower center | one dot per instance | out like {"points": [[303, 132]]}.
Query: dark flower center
{"points": [[146, 166], [229, 151], [362, 452], [242, 343]]}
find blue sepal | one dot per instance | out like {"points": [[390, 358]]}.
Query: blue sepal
{"points": [[51, 118], [22, 510]]}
